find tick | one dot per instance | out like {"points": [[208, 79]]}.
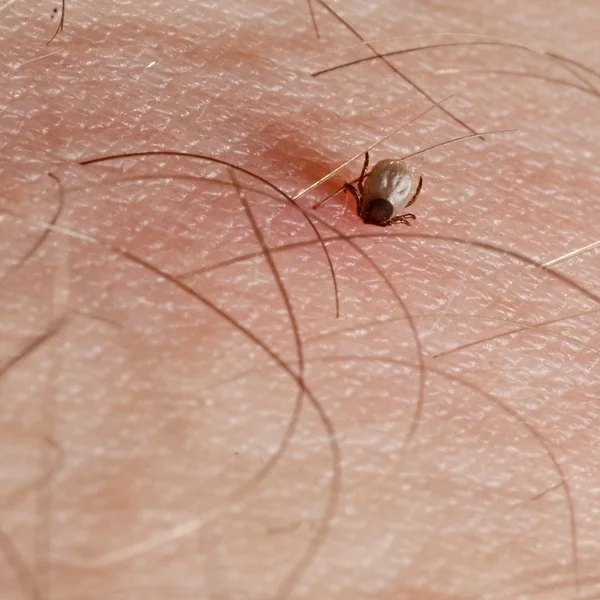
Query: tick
{"points": [[383, 193]]}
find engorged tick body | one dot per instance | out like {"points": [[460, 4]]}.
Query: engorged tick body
{"points": [[383, 193]]}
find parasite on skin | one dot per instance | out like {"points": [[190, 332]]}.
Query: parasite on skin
{"points": [[391, 182], [383, 193]]}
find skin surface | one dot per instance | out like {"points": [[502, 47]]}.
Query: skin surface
{"points": [[145, 415]]}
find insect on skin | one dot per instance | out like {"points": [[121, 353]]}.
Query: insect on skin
{"points": [[383, 193]]}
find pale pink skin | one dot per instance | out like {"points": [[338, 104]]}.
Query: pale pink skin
{"points": [[131, 434]]}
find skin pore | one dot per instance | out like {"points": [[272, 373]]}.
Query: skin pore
{"points": [[183, 415]]}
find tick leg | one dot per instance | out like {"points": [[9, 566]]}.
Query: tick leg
{"points": [[363, 173], [417, 192], [357, 195], [401, 219]]}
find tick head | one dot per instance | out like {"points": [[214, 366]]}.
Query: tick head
{"points": [[378, 211]]}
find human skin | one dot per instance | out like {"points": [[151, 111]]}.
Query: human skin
{"points": [[149, 442]]}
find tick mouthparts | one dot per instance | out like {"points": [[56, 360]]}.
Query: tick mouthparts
{"points": [[378, 211]]}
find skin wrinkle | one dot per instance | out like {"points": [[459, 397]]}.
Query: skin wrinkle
{"points": [[97, 98], [25, 578], [46, 477]]}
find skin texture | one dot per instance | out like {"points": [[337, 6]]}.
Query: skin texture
{"points": [[145, 414]]}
